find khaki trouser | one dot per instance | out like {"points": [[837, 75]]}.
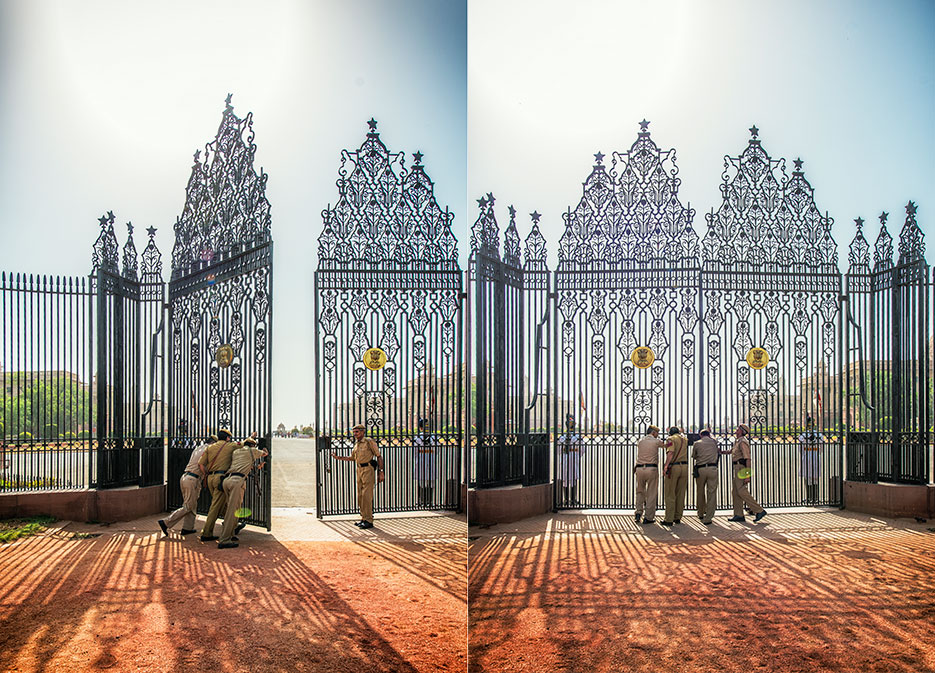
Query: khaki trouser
{"points": [[706, 493], [647, 483], [674, 488], [365, 482], [234, 488], [191, 489], [218, 502], [741, 494]]}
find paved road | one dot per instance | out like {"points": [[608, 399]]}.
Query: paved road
{"points": [[293, 472]]}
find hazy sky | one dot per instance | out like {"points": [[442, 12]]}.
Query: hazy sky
{"points": [[847, 86], [103, 104]]}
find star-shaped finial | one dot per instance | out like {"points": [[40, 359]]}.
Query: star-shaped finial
{"points": [[798, 164], [535, 216], [151, 231], [110, 216], [754, 131], [599, 157], [859, 222], [512, 211], [644, 125], [130, 228], [103, 220], [227, 101], [910, 208], [490, 198], [417, 157], [197, 155], [372, 124], [482, 202], [883, 217]]}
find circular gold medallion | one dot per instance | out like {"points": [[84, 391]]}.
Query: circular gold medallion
{"points": [[642, 357], [224, 356], [374, 359], [757, 357]]}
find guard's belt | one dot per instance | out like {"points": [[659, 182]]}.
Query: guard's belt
{"points": [[237, 474], [681, 462], [706, 465], [191, 474], [648, 465], [367, 464]]}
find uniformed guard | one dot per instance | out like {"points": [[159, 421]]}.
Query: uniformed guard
{"points": [[215, 462], [190, 485], [705, 455], [647, 474], [570, 463], [740, 459], [423, 469], [364, 454], [810, 467], [675, 484], [235, 482]]}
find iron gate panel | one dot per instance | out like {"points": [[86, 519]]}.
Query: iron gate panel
{"points": [[388, 277], [220, 310], [128, 381]]}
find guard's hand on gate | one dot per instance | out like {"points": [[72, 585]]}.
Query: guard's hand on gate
{"points": [[380, 477]]}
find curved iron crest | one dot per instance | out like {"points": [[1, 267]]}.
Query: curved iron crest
{"points": [[485, 238], [386, 215], [105, 254], [226, 211]]}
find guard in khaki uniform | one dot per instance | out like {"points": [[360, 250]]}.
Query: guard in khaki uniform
{"points": [[235, 482], [676, 476], [705, 454], [215, 462], [190, 485], [365, 450], [740, 458], [647, 474]]}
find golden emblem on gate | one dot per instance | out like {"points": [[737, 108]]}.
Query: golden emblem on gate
{"points": [[374, 359], [642, 357], [757, 357], [224, 356]]}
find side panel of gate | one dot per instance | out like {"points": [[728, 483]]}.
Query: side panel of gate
{"points": [[388, 278]]}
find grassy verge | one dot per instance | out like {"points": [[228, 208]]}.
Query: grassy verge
{"points": [[13, 529]]}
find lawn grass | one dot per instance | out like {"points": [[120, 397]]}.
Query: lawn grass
{"points": [[13, 529]]}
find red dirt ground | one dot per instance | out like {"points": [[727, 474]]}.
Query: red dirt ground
{"points": [[130, 602], [823, 601]]}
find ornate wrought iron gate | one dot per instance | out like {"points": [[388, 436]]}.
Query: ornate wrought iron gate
{"points": [[388, 277], [220, 309], [647, 324]]}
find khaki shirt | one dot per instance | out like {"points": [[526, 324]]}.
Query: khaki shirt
{"points": [[741, 450], [242, 459], [678, 445], [647, 450], [705, 450], [217, 457], [196, 456], [364, 451]]}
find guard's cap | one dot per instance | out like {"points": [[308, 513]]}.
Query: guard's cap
{"points": [[705, 433], [744, 427], [674, 430], [359, 426], [250, 441], [651, 429], [225, 435], [214, 438]]}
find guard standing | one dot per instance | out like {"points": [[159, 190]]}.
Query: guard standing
{"points": [[810, 467], [570, 465], [215, 462], [365, 452], [647, 474], [190, 485], [675, 484], [424, 464], [740, 459], [705, 454], [235, 482]]}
